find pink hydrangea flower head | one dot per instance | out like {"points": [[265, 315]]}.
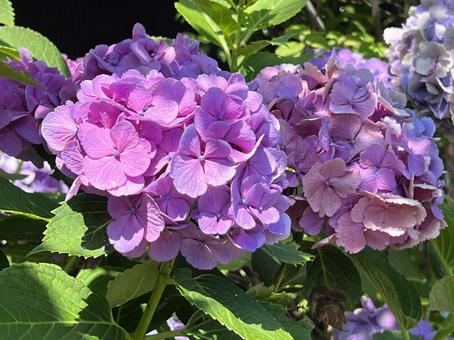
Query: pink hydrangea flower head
{"points": [[173, 155], [369, 170]]}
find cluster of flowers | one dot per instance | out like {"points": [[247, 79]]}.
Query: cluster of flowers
{"points": [[421, 55], [29, 177], [180, 59], [367, 167], [190, 164], [344, 57], [23, 106], [363, 322], [368, 320]]}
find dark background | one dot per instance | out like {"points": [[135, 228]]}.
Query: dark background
{"points": [[76, 26]]}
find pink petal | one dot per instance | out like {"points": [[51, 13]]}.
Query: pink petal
{"points": [[58, 129], [96, 141], [190, 142], [132, 186], [166, 247], [216, 148], [218, 171], [124, 136], [163, 112], [125, 233], [154, 220], [210, 224], [178, 209], [104, 173], [119, 206], [188, 175], [310, 222], [136, 160], [244, 218], [350, 235]]}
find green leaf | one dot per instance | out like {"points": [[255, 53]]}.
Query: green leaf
{"points": [[334, 270], [442, 295], [15, 201], [211, 329], [442, 245], [229, 305], [78, 228], [39, 46], [97, 279], [265, 266], [132, 283], [397, 292], [41, 301], [210, 19], [291, 49], [6, 13], [265, 13], [409, 263], [260, 60], [298, 329], [7, 71], [14, 229], [287, 253], [245, 52], [8, 52]]}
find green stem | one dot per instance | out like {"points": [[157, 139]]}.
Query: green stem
{"points": [[165, 335], [234, 62], [404, 333], [279, 277], [70, 263], [163, 280], [443, 262], [444, 332]]}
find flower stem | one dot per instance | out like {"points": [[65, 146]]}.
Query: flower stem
{"points": [[279, 277], [404, 333], [163, 280], [166, 335]]}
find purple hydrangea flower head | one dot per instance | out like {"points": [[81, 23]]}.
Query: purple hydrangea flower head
{"points": [[421, 56], [379, 68], [368, 168], [190, 165], [23, 106], [31, 178], [423, 330], [363, 322], [179, 59]]}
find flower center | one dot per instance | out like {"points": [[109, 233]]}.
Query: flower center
{"points": [[116, 153], [201, 158]]}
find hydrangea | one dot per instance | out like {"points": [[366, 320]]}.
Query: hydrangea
{"points": [[189, 165], [363, 322], [179, 59], [421, 56], [424, 331], [379, 68], [23, 106], [369, 170], [29, 177]]}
